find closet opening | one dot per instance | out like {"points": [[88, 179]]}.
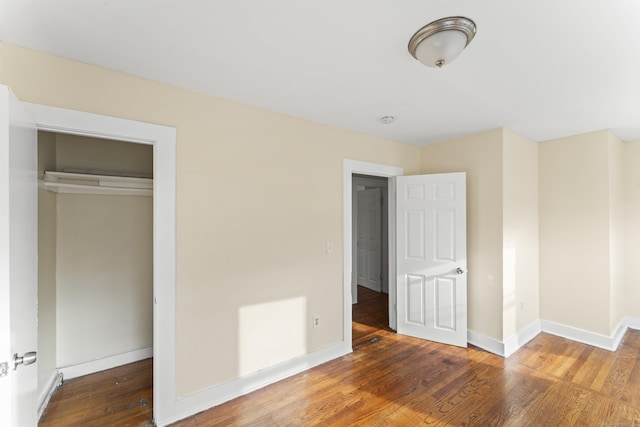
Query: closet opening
{"points": [[95, 251]]}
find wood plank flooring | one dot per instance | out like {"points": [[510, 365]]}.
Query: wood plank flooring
{"points": [[117, 397], [391, 380]]}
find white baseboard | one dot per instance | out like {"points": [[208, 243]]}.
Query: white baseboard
{"points": [[619, 332], [520, 338], [219, 394], [45, 395], [510, 345], [485, 342], [632, 322], [526, 334], [610, 343], [106, 363], [586, 337]]}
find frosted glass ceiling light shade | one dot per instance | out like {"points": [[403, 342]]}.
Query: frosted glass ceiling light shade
{"points": [[441, 41]]}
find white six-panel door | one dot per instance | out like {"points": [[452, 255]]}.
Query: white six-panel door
{"points": [[431, 257], [18, 260]]}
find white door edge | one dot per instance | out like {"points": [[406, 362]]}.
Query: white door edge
{"points": [[18, 265]]}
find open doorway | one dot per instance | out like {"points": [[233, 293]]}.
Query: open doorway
{"points": [[95, 256], [350, 168], [427, 254], [370, 260]]}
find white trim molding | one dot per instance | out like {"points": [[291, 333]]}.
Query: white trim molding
{"points": [[163, 139], [485, 342], [586, 337], [522, 337], [510, 345], [619, 333], [45, 395], [105, 363], [526, 334], [349, 167], [219, 394], [632, 322]]}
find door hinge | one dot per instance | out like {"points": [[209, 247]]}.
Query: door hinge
{"points": [[4, 369]]}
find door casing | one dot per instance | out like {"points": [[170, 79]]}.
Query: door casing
{"points": [[163, 139], [350, 167]]}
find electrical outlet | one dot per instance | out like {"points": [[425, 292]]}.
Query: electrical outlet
{"points": [[316, 321]]}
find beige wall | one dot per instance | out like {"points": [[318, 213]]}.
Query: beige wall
{"points": [[574, 232], [632, 228], [616, 231], [104, 276], [521, 299], [46, 267], [480, 156], [47, 150], [93, 155], [259, 194], [502, 226]]}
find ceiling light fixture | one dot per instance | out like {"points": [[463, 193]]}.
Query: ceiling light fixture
{"points": [[440, 42]]}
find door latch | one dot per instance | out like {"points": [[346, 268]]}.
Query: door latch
{"points": [[27, 359], [4, 369]]}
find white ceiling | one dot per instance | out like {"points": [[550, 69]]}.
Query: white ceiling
{"points": [[543, 69]]}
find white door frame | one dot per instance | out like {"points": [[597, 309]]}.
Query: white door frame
{"points": [[163, 139], [349, 167]]}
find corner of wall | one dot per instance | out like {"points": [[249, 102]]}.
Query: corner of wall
{"points": [[574, 241], [520, 223], [617, 233], [631, 163]]}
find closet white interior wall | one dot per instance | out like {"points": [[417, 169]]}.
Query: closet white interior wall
{"points": [[96, 258]]}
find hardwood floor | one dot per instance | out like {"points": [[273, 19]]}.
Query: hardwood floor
{"points": [[117, 397], [391, 380]]}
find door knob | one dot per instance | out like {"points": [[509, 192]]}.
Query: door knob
{"points": [[460, 271], [27, 359]]}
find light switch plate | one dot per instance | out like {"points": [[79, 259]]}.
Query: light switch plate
{"points": [[329, 247]]}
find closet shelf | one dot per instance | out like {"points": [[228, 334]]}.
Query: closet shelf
{"points": [[80, 183]]}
